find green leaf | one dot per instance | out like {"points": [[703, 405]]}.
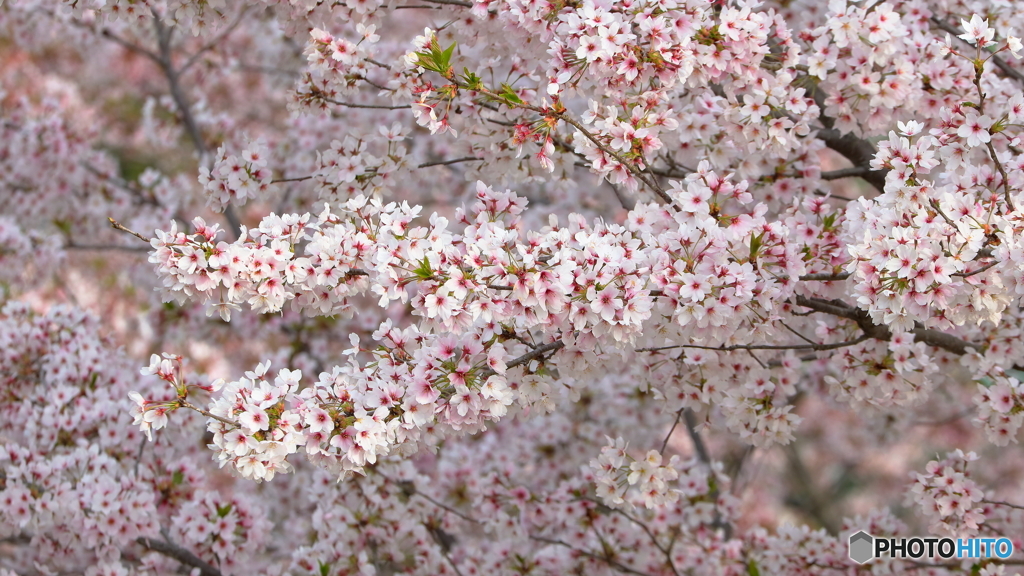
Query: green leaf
{"points": [[424, 272], [445, 58], [508, 93], [755, 244], [64, 226], [472, 81], [178, 477], [325, 568], [223, 511], [752, 569]]}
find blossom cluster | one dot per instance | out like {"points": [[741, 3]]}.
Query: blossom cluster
{"points": [[236, 179], [356, 414], [1000, 409], [616, 472], [949, 497], [555, 377]]}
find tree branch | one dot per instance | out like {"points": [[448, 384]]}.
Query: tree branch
{"points": [[74, 246], [845, 173], [451, 3], [929, 336], [812, 346], [690, 419], [527, 358], [164, 60], [117, 225], [857, 150], [373, 106], [182, 555], [448, 162]]}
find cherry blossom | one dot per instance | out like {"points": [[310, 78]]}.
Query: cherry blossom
{"points": [[507, 287]]}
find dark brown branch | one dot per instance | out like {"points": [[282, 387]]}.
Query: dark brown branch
{"points": [[858, 151], [528, 357], [822, 277], [929, 336], [180, 554], [845, 173], [978, 271], [17, 539], [816, 347]]}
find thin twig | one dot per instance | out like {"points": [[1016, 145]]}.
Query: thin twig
{"points": [[831, 195], [118, 226], [208, 414], [374, 106], [1007, 504], [1002, 172], [74, 246], [799, 335], [445, 507], [451, 3], [128, 45], [296, 179], [664, 443], [447, 162], [978, 271], [214, 41], [603, 558], [999, 62], [667, 551]]}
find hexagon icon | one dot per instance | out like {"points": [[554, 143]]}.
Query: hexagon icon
{"points": [[861, 545]]}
